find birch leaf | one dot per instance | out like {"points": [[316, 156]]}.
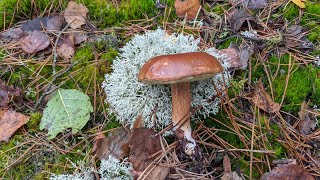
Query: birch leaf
{"points": [[299, 3], [68, 108]]}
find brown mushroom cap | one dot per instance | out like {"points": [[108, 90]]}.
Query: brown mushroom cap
{"points": [[176, 68]]}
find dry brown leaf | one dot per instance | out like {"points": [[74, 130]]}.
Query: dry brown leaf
{"points": [[114, 144], [75, 14], [308, 121], [187, 8], [143, 143], [79, 37], [239, 18], [6, 93], [295, 37], [10, 122], [34, 42], [263, 100], [288, 172], [66, 47]]}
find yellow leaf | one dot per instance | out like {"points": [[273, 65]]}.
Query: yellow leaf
{"points": [[300, 3]]}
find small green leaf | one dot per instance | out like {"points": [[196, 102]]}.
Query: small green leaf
{"points": [[68, 108]]}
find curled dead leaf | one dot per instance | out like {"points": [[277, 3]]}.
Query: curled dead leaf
{"points": [[263, 100], [75, 14], [35, 41], [187, 8], [288, 172], [10, 122]]}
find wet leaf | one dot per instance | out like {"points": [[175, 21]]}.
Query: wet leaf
{"points": [[143, 143], [6, 93], [41, 23], [66, 47], [288, 172], [308, 120], [187, 8], [300, 3], [116, 144], [75, 14], [11, 34], [263, 100], [35, 41], [10, 122], [241, 18]]}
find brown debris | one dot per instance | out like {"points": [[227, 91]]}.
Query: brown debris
{"points": [[240, 18], [50, 23], [288, 172], [143, 144], [308, 121], [66, 47], [114, 144], [6, 93], [12, 34], [228, 174], [10, 122], [295, 37], [75, 14], [187, 8], [263, 100], [34, 42], [250, 4]]}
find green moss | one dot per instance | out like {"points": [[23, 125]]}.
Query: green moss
{"points": [[291, 11], [34, 121]]}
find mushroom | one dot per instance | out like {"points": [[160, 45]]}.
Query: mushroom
{"points": [[179, 70]]}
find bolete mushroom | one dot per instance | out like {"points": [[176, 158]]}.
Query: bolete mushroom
{"points": [[179, 70]]}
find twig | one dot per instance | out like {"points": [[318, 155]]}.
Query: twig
{"points": [[55, 55]]}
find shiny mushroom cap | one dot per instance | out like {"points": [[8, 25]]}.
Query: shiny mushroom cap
{"points": [[176, 68]]}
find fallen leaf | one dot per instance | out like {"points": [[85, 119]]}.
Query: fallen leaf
{"points": [[308, 120], [237, 57], [281, 162], [300, 3], [10, 122], [35, 41], [187, 8], [288, 172], [67, 108], [11, 34], [250, 4], [40, 23], [263, 100], [143, 144], [6, 93], [114, 144], [295, 37], [66, 47], [75, 14], [241, 18], [79, 37]]}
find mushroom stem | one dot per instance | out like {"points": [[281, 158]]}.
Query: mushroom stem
{"points": [[181, 105]]}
